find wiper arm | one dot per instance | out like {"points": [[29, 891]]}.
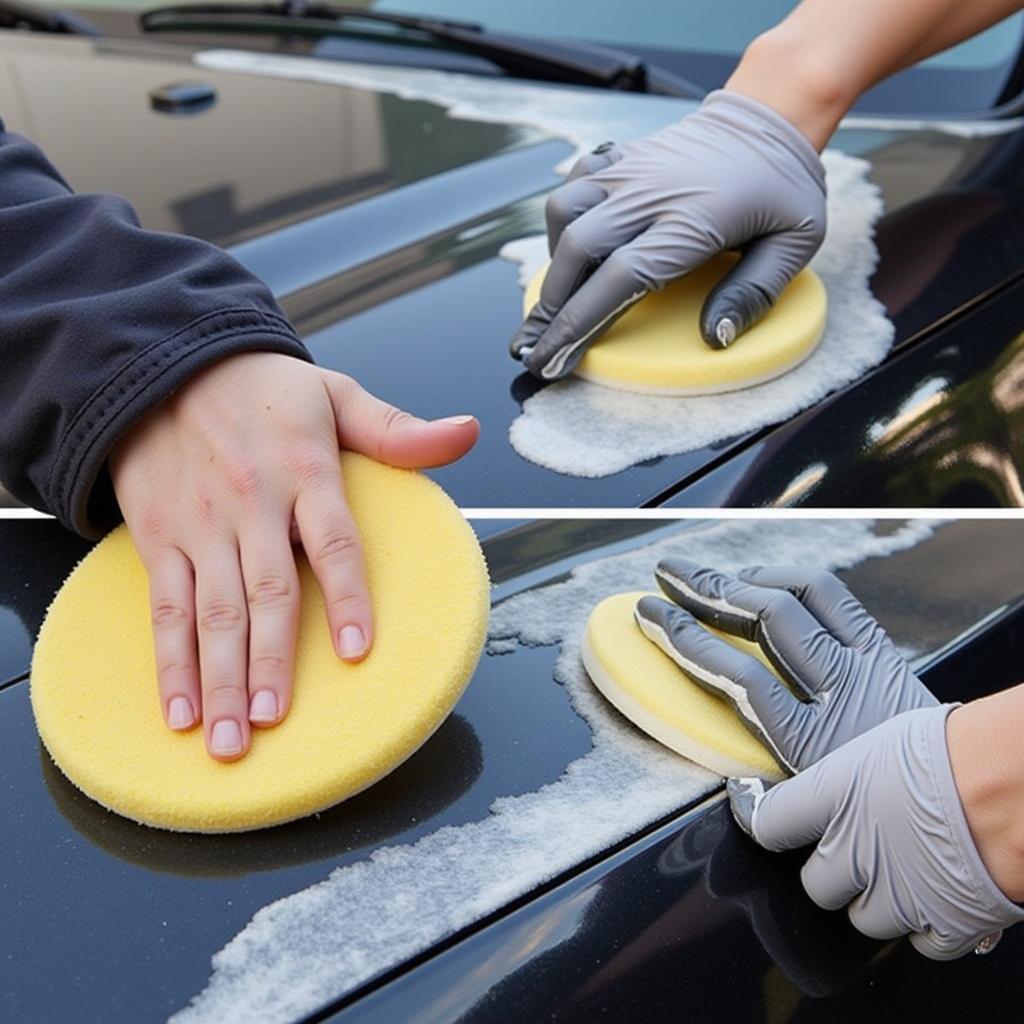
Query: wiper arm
{"points": [[42, 19], [524, 56]]}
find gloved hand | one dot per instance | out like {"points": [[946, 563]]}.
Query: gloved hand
{"points": [[811, 628], [893, 842], [733, 175]]}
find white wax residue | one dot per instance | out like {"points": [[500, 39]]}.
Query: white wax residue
{"points": [[298, 954], [582, 429]]}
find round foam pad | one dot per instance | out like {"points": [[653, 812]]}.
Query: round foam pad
{"points": [[95, 698], [650, 689], [656, 347]]}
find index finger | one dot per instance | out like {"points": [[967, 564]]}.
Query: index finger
{"points": [[331, 541], [825, 596], [795, 642], [582, 247], [763, 703]]}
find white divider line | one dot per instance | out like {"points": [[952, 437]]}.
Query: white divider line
{"points": [[741, 513]]}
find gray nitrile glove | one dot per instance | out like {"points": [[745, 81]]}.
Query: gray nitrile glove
{"points": [[632, 217], [893, 844], [811, 628]]}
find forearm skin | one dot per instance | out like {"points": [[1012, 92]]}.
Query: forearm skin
{"points": [[813, 66], [987, 758]]}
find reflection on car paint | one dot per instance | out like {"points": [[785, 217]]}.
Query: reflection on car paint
{"points": [[931, 392]]}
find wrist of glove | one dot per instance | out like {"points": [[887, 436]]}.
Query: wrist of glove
{"points": [[893, 843], [735, 175]]}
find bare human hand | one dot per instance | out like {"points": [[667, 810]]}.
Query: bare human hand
{"points": [[215, 484]]}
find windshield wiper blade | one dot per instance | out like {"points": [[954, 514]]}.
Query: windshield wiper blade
{"points": [[524, 56], [43, 19]]}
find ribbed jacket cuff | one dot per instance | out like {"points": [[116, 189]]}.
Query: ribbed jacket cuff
{"points": [[79, 488]]}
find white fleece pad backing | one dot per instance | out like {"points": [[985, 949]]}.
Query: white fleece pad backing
{"points": [[583, 429], [311, 947]]}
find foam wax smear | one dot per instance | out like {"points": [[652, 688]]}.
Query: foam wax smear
{"points": [[307, 949], [583, 429]]}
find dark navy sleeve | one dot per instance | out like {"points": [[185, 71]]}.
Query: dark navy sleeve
{"points": [[99, 321]]}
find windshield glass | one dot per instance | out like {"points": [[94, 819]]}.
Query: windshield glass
{"points": [[710, 26], [702, 40], [698, 40]]}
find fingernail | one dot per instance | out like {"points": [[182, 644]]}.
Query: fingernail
{"points": [[725, 332], [263, 707], [227, 738], [180, 714], [456, 421], [351, 642]]}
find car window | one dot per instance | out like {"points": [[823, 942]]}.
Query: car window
{"points": [[701, 40], [710, 26]]}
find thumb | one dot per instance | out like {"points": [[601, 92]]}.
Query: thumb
{"points": [[385, 433], [753, 285], [599, 158], [787, 815]]}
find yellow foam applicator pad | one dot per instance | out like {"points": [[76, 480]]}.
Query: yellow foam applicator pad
{"points": [[94, 690], [656, 347], [654, 693]]}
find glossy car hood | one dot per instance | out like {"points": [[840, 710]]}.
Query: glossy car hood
{"points": [[108, 920], [378, 219]]}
